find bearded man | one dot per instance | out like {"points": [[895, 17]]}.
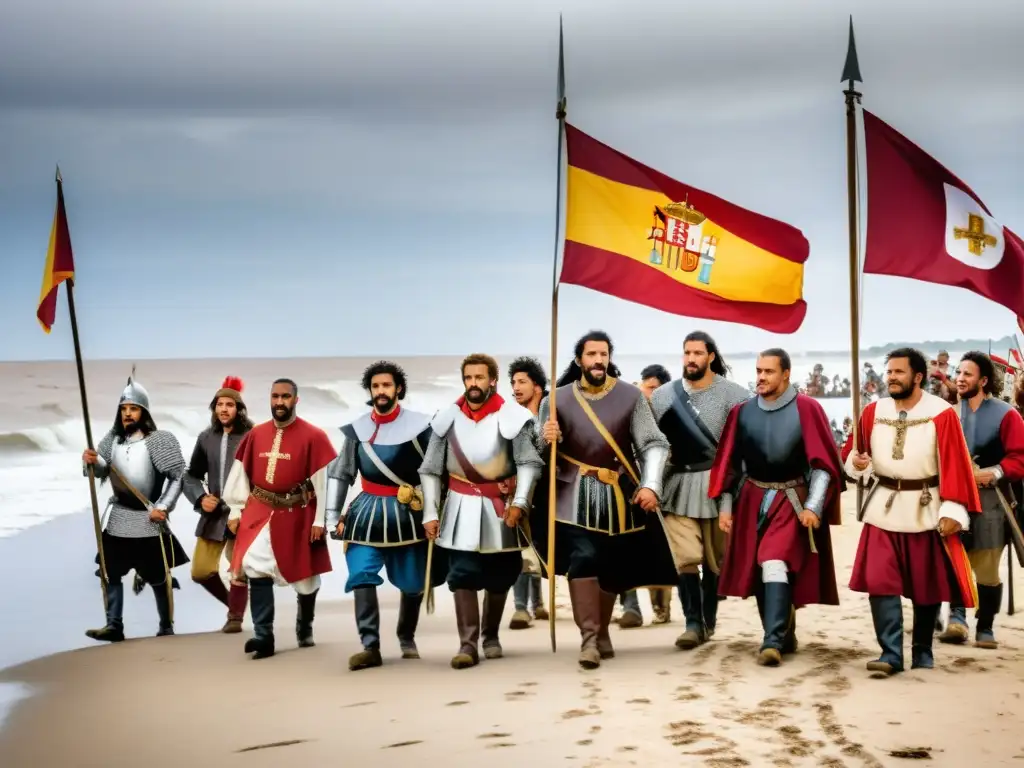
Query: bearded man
{"points": [[609, 539], [382, 527], [487, 448], [995, 440], [145, 467], [276, 494], [212, 458], [777, 456], [922, 493], [691, 412], [529, 387]]}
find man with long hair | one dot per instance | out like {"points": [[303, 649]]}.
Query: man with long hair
{"points": [[145, 468], [276, 493], [777, 460], [486, 446], [212, 457], [529, 387], [692, 412], [911, 451], [610, 459], [383, 525], [995, 440]]}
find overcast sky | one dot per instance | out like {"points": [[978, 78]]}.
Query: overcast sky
{"points": [[315, 177]]}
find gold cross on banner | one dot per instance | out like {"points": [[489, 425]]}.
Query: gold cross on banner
{"points": [[274, 454], [975, 235], [901, 425]]}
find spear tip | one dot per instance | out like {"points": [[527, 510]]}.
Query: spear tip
{"points": [[851, 69]]}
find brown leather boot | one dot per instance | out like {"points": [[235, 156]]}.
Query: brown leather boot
{"points": [[238, 597], [467, 617], [494, 607], [604, 639], [585, 595]]}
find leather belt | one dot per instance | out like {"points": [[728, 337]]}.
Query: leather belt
{"points": [[785, 485], [905, 484], [496, 491], [701, 466], [299, 496]]}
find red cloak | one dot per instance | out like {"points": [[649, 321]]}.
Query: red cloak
{"points": [[816, 580], [956, 483], [303, 451]]}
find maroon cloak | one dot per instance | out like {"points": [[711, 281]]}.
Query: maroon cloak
{"points": [[815, 582]]}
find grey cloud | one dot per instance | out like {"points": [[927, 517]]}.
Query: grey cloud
{"points": [[434, 58]]}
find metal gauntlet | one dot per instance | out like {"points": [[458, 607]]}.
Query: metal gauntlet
{"points": [[431, 485], [335, 493], [817, 489], [526, 478], [653, 470], [170, 496]]}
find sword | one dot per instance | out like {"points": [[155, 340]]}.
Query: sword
{"points": [[1016, 536], [429, 582]]}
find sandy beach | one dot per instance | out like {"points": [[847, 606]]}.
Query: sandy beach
{"points": [[196, 699]]}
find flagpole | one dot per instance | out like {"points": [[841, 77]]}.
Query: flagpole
{"points": [[851, 73], [552, 490], [97, 528]]}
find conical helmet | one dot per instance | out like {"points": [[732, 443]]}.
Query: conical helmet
{"points": [[134, 393]]}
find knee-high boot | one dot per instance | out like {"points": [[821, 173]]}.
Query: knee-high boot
{"points": [[692, 597], [494, 607], [261, 607], [921, 636], [777, 608], [163, 609], [467, 617], [408, 620], [306, 610], [368, 623], [990, 600], [887, 616], [709, 602], [113, 631], [238, 596], [585, 595]]}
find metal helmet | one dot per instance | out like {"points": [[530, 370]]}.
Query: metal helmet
{"points": [[134, 393]]}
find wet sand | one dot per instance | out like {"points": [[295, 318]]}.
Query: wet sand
{"points": [[196, 699]]}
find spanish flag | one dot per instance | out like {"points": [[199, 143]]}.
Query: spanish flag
{"points": [[637, 234], [60, 263]]}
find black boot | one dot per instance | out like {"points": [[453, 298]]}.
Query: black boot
{"points": [[990, 600], [261, 608], [113, 632], [490, 623], [368, 623], [921, 636], [709, 601], [691, 596], [304, 619], [887, 616], [777, 609], [163, 609], [408, 620]]}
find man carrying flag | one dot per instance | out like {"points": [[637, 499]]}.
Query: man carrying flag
{"points": [[921, 495]]}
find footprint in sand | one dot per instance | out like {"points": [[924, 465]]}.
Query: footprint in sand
{"points": [[456, 703], [837, 735], [402, 744], [572, 714], [639, 701], [494, 735]]}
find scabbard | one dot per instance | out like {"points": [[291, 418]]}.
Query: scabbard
{"points": [[1016, 536]]}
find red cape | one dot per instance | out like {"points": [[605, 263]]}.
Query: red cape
{"points": [[956, 483], [297, 557], [816, 582]]}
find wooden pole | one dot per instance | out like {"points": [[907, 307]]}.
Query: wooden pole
{"points": [[97, 528], [851, 73], [552, 490]]}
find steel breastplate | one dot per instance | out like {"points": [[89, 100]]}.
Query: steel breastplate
{"points": [[484, 446], [771, 442], [132, 460]]}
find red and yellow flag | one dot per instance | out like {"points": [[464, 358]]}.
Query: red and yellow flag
{"points": [[60, 263], [637, 234]]}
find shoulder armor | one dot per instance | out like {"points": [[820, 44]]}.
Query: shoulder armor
{"points": [[511, 418], [349, 432], [443, 419]]}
